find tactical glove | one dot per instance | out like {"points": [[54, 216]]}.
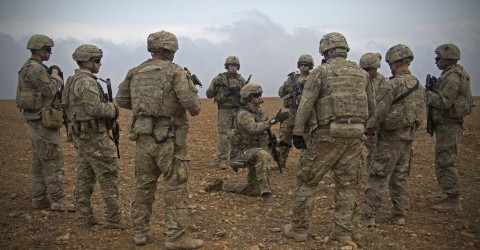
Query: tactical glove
{"points": [[60, 73], [299, 142], [280, 117]]}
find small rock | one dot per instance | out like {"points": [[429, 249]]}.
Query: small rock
{"points": [[275, 230], [64, 237], [13, 196]]}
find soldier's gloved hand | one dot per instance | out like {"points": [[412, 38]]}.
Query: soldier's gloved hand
{"points": [[280, 117], [283, 143], [54, 69], [299, 142]]}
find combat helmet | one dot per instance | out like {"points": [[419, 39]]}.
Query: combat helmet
{"points": [[448, 51], [370, 60], [162, 40], [398, 52], [85, 52], [39, 41], [232, 60], [305, 58], [333, 40], [249, 89]]}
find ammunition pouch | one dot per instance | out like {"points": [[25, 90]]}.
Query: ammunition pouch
{"points": [[29, 99], [84, 128], [52, 118]]}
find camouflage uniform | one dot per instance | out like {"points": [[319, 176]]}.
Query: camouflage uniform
{"points": [[90, 113], [37, 87], [159, 93], [339, 94], [250, 149], [395, 122], [225, 90], [367, 62], [451, 100], [249, 139], [285, 92]]}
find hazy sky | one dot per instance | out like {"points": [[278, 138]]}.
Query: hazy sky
{"points": [[267, 35]]}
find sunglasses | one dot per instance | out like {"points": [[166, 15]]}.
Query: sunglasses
{"points": [[97, 60], [48, 49], [437, 59], [257, 95], [304, 64]]}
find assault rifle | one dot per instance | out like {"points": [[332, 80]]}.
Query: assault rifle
{"points": [[272, 147], [235, 90], [430, 83], [114, 123], [272, 138], [58, 95], [296, 91], [195, 79]]}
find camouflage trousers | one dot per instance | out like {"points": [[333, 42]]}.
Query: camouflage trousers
{"points": [[286, 134], [96, 161], [47, 163], [259, 162], [390, 166], [324, 153], [225, 121], [447, 138], [151, 161]]}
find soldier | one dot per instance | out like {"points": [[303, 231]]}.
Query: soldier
{"points": [[451, 100], [339, 94], [225, 91], [90, 115], [36, 93], [400, 110], [249, 147], [159, 93], [291, 92], [370, 62]]}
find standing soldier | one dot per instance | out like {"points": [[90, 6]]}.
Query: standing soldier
{"points": [[400, 110], [249, 147], [36, 92], [451, 100], [90, 115], [159, 93], [291, 92], [370, 62], [225, 91], [341, 98]]}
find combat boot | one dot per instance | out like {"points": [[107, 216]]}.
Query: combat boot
{"points": [[268, 201], [115, 225], [216, 185], [397, 220], [222, 164], [140, 239], [41, 204], [183, 243], [61, 205], [452, 204], [288, 231], [87, 223], [367, 221]]}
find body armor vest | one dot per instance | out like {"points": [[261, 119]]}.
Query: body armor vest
{"points": [[228, 94], [462, 105], [409, 110], [151, 91], [344, 93], [28, 97], [75, 109], [241, 139]]}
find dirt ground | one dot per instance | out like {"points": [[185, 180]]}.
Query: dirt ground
{"points": [[230, 221]]}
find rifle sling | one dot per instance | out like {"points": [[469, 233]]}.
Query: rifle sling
{"points": [[404, 95]]}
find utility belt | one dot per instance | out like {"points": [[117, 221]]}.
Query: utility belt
{"points": [[227, 107], [86, 127], [346, 127], [160, 128]]}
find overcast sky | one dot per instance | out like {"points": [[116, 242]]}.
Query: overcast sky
{"points": [[267, 35]]}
